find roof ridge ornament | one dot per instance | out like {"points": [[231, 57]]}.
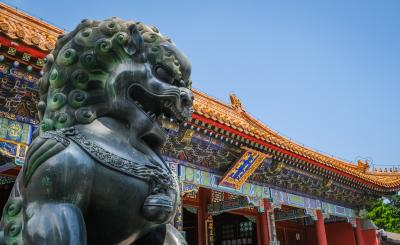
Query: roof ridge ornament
{"points": [[363, 166], [236, 104]]}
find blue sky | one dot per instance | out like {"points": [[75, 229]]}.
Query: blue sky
{"points": [[324, 73]]}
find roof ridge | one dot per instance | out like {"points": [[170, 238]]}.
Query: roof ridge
{"points": [[214, 99], [18, 25], [24, 14]]}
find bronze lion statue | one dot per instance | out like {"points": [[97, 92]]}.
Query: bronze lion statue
{"points": [[94, 174]]}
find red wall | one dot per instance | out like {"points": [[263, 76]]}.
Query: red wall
{"points": [[337, 234], [340, 234], [370, 237]]}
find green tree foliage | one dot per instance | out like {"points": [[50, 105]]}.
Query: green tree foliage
{"points": [[386, 214], [395, 201]]}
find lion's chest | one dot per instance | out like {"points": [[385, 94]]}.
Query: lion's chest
{"points": [[118, 192], [121, 183], [114, 213]]}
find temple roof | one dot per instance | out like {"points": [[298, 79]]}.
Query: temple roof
{"points": [[19, 26], [235, 117]]}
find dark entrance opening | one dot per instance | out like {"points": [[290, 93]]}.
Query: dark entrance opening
{"points": [[290, 225], [190, 225], [5, 191], [6, 162], [234, 229]]}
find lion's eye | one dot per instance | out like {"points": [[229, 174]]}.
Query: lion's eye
{"points": [[164, 75]]}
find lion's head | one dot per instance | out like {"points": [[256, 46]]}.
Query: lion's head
{"points": [[122, 69]]}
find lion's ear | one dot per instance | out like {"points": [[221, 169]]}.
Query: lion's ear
{"points": [[135, 45]]}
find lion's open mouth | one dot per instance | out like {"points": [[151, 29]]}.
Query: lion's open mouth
{"points": [[157, 106]]}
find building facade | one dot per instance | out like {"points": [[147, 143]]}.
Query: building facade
{"points": [[241, 182]]}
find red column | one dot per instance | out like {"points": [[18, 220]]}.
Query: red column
{"points": [[202, 215], [262, 229], [320, 229], [359, 233], [259, 230], [264, 223]]}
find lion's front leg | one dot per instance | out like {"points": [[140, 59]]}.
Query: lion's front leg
{"points": [[53, 193], [54, 223]]}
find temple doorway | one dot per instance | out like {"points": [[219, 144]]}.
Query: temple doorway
{"points": [[290, 235], [290, 225], [5, 191], [190, 225], [233, 229]]}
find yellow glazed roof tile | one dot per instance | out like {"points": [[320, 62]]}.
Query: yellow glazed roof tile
{"points": [[236, 117], [20, 26]]}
